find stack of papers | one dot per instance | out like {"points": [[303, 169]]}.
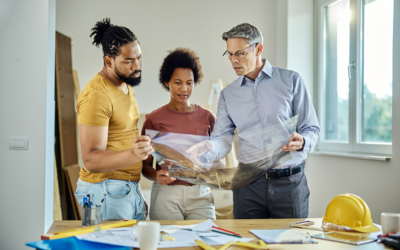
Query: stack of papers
{"points": [[185, 236]]}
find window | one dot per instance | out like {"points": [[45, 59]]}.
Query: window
{"points": [[355, 75]]}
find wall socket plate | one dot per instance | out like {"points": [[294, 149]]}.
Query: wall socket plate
{"points": [[18, 143]]}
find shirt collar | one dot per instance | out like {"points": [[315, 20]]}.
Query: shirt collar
{"points": [[267, 69]]}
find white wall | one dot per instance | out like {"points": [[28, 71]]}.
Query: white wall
{"points": [[281, 27], [26, 110], [162, 26], [300, 44]]}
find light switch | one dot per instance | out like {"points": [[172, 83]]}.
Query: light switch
{"points": [[18, 143]]}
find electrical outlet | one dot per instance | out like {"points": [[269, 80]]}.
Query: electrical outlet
{"points": [[18, 143]]}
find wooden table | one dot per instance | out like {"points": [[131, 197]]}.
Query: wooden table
{"points": [[243, 227]]}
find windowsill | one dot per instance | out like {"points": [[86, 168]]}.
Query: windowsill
{"points": [[375, 157]]}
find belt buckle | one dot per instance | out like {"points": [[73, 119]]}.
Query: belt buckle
{"points": [[266, 175]]}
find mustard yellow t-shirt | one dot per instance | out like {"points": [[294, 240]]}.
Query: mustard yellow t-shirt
{"points": [[101, 103]]}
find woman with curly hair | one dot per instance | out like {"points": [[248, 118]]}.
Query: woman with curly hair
{"points": [[173, 199]]}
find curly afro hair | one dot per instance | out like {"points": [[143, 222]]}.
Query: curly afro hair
{"points": [[180, 58]]}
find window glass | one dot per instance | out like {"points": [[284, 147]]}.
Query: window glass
{"points": [[376, 112], [337, 47]]}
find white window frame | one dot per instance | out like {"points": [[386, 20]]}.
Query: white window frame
{"points": [[355, 145]]}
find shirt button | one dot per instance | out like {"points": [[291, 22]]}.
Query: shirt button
{"points": [[262, 119], [258, 101]]}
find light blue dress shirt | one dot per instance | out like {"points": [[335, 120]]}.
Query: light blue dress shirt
{"points": [[253, 106]]}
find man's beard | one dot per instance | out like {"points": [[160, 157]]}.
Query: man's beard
{"points": [[133, 81]]}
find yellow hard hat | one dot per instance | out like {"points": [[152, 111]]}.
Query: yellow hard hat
{"points": [[350, 211]]}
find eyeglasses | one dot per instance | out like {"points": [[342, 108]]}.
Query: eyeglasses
{"points": [[238, 55]]}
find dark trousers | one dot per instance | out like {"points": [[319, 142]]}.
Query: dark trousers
{"points": [[285, 197]]}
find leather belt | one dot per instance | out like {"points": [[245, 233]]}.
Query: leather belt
{"points": [[284, 172], [186, 184]]}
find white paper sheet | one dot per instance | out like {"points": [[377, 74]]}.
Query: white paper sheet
{"points": [[289, 236], [204, 226]]}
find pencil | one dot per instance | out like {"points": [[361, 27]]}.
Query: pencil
{"points": [[225, 230], [234, 235]]}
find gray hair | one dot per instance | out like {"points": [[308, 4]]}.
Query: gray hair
{"points": [[244, 30]]}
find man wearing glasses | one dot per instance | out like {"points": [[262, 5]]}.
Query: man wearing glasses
{"points": [[258, 98]]}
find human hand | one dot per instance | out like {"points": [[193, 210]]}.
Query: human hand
{"points": [[142, 147], [198, 150], [163, 177], [166, 165], [296, 142]]}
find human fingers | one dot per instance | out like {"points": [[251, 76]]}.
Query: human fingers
{"points": [[201, 146], [296, 137], [293, 145], [167, 165], [162, 173], [209, 145], [141, 138], [163, 177], [193, 147], [146, 149], [168, 162], [143, 153], [194, 158], [143, 144], [165, 180]]}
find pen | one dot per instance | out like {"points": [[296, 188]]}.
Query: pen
{"points": [[88, 211], [101, 202], [225, 230], [234, 235]]}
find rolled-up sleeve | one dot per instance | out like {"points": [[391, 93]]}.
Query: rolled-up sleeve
{"points": [[307, 124], [224, 129]]}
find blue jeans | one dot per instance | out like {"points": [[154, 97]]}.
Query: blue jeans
{"points": [[122, 199]]}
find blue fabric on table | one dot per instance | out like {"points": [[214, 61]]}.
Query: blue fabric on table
{"points": [[72, 243]]}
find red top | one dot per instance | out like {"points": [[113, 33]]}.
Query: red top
{"points": [[198, 122]]}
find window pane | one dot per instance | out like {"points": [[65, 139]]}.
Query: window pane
{"points": [[377, 71], [337, 46]]}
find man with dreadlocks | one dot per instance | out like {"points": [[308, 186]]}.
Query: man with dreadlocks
{"points": [[112, 149]]}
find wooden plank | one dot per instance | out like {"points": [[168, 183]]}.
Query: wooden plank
{"points": [[77, 87], [57, 214], [71, 192], [77, 92], [65, 101], [66, 145], [60, 173], [72, 174]]}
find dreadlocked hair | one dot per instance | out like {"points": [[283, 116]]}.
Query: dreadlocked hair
{"points": [[111, 37]]}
